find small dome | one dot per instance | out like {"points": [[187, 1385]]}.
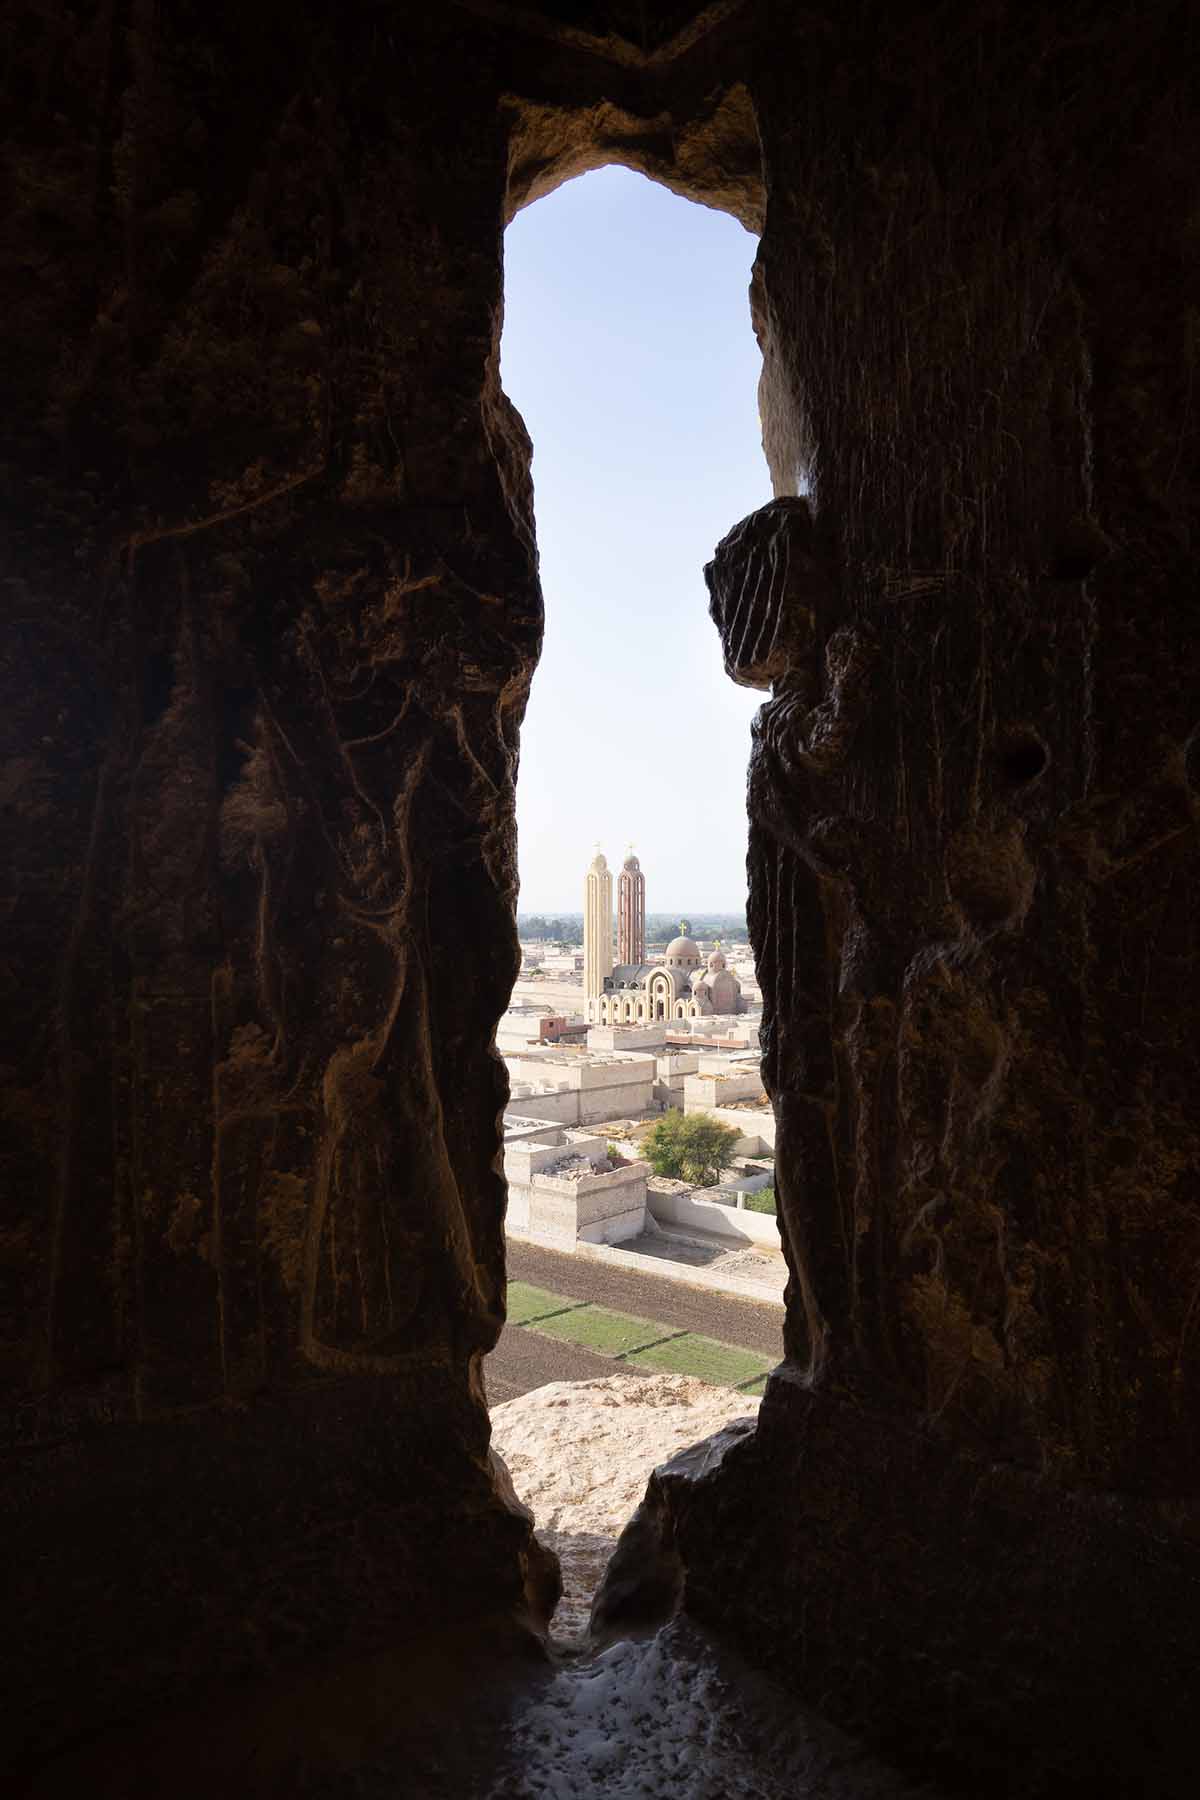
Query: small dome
{"points": [[631, 863], [683, 949], [716, 961], [598, 865]]}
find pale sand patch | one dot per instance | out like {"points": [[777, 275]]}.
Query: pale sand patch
{"points": [[580, 1454], [674, 1716]]}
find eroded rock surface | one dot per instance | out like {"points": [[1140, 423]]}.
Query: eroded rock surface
{"points": [[972, 1620], [271, 611]]}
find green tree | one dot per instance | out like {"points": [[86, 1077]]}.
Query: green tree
{"points": [[695, 1148]]}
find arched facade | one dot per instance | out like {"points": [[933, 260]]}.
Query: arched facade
{"points": [[681, 986]]}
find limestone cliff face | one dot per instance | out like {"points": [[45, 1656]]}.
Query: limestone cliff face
{"points": [[271, 610]]}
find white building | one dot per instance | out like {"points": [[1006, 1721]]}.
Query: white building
{"points": [[564, 1189]]}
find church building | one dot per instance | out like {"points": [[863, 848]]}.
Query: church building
{"points": [[632, 991]]}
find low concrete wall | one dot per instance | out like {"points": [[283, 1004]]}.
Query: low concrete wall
{"points": [[735, 1222], [764, 1286], [756, 1124], [730, 1062], [598, 1088], [705, 1093], [623, 1100], [524, 1129], [727, 1029], [563, 1108], [745, 1181], [627, 1037]]}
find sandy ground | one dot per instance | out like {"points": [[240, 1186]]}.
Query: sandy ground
{"points": [[678, 1716], [580, 1453]]}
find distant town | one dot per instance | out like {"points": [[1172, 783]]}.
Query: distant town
{"points": [[618, 1019], [660, 927]]}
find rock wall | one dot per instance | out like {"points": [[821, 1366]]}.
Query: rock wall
{"points": [[272, 606], [271, 603], [975, 770], [973, 843]]}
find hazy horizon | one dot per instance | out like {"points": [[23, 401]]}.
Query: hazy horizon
{"points": [[629, 352], [654, 925]]}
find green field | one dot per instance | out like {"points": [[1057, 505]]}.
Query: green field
{"points": [[596, 1328], [637, 1342], [527, 1303], [724, 1365]]}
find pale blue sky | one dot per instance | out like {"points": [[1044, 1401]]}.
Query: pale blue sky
{"points": [[629, 351]]}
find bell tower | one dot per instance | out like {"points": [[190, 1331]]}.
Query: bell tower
{"points": [[597, 927], [631, 911]]}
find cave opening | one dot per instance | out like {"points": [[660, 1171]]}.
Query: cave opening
{"points": [[630, 352]]}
